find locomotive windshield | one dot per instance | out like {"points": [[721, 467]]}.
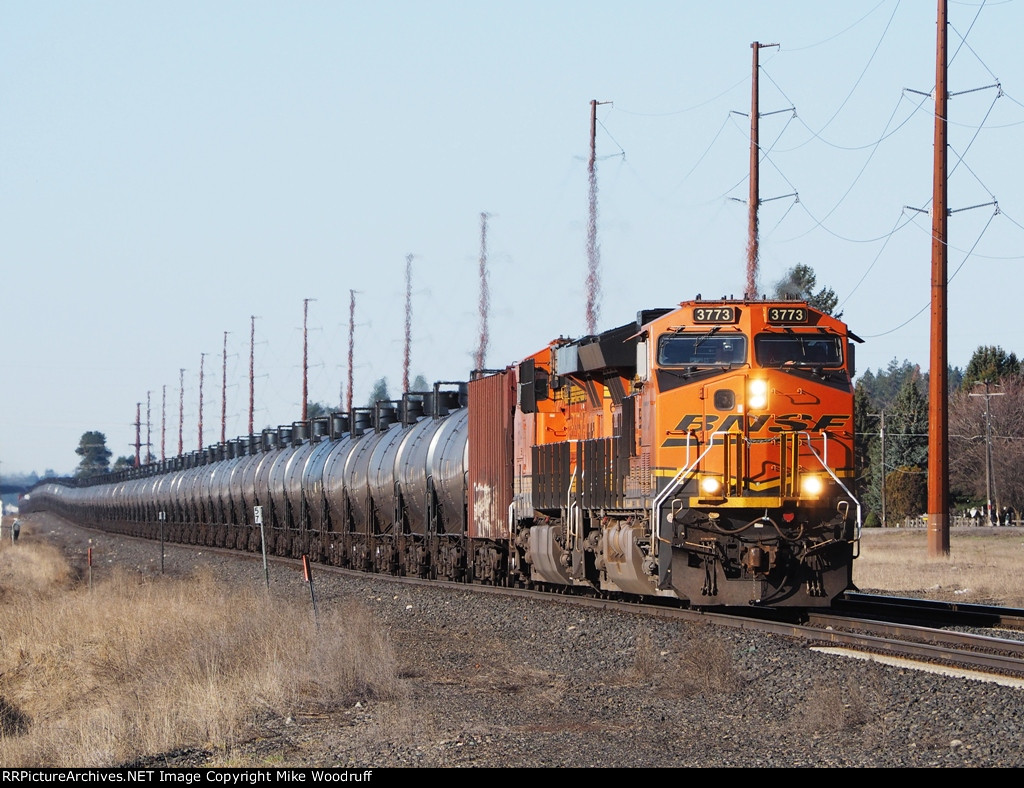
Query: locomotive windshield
{"points": [[802, 350], [706, 349]]}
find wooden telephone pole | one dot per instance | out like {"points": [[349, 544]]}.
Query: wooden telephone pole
{"points": [[593, 248], [224, 391], [252, 354], [938, 395], [351, 346], [181, 412], [202, 372], [754, 196], [408, 322], [305, 357], [138, 438]]}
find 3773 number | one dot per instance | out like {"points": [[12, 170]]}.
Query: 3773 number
{"points": [[714, 314], [779, 314]]}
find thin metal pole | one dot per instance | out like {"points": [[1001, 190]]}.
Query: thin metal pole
{"points": [[308, 575], [258, 514]]}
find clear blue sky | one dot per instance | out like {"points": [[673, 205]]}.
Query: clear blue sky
{"points": [[171, 168]]}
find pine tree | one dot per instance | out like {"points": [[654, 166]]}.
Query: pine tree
{"points": [[907, 428], [865, 435], [799, 282], [990, 363], [92, 448], [379, 392]]}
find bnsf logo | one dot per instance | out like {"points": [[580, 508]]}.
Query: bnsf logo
{"points": [[786, 422]]}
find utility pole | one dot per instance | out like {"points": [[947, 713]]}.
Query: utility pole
{"points": [[181, 412], [224, 393], [593, 249], [149, 431], [305, 357], [938, 410], [408, 322], [881, 435], [989, 481], [252, 346], [138, 428], [485, 296], [202, 364], [754, 198], [755, 175], [163, 425], [351, 344]]}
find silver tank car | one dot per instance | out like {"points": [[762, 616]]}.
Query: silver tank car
{"points": [[381, 488]]}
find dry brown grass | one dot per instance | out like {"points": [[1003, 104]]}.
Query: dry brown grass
{"points": [[708, 664], [646, 660], [140, 666], [834, 708], [984, 565], [702, 663]]}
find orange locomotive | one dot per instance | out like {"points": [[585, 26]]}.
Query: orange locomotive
{"points": [[703, 452]]}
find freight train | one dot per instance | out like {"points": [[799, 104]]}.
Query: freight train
{"points": [[703, 453]]}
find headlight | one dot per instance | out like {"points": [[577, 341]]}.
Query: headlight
{"points": [[757, 394], [811, 485], [710, 485]]}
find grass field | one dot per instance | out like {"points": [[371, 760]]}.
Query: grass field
{"points": [[984, 565]]}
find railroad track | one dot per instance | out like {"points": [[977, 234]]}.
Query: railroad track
{"points": [[873, 626], [930, 611], [930, 644]]}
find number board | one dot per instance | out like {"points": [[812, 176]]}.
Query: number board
{"points": [[714, 314], [787, 314]]}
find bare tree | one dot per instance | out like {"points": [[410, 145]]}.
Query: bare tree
{"points": [[979, 424]]}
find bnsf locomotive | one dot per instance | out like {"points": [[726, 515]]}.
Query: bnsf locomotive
{"points": [[703, 453]]}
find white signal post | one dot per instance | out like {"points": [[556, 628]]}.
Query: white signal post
{"points": [[257, 513]]}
